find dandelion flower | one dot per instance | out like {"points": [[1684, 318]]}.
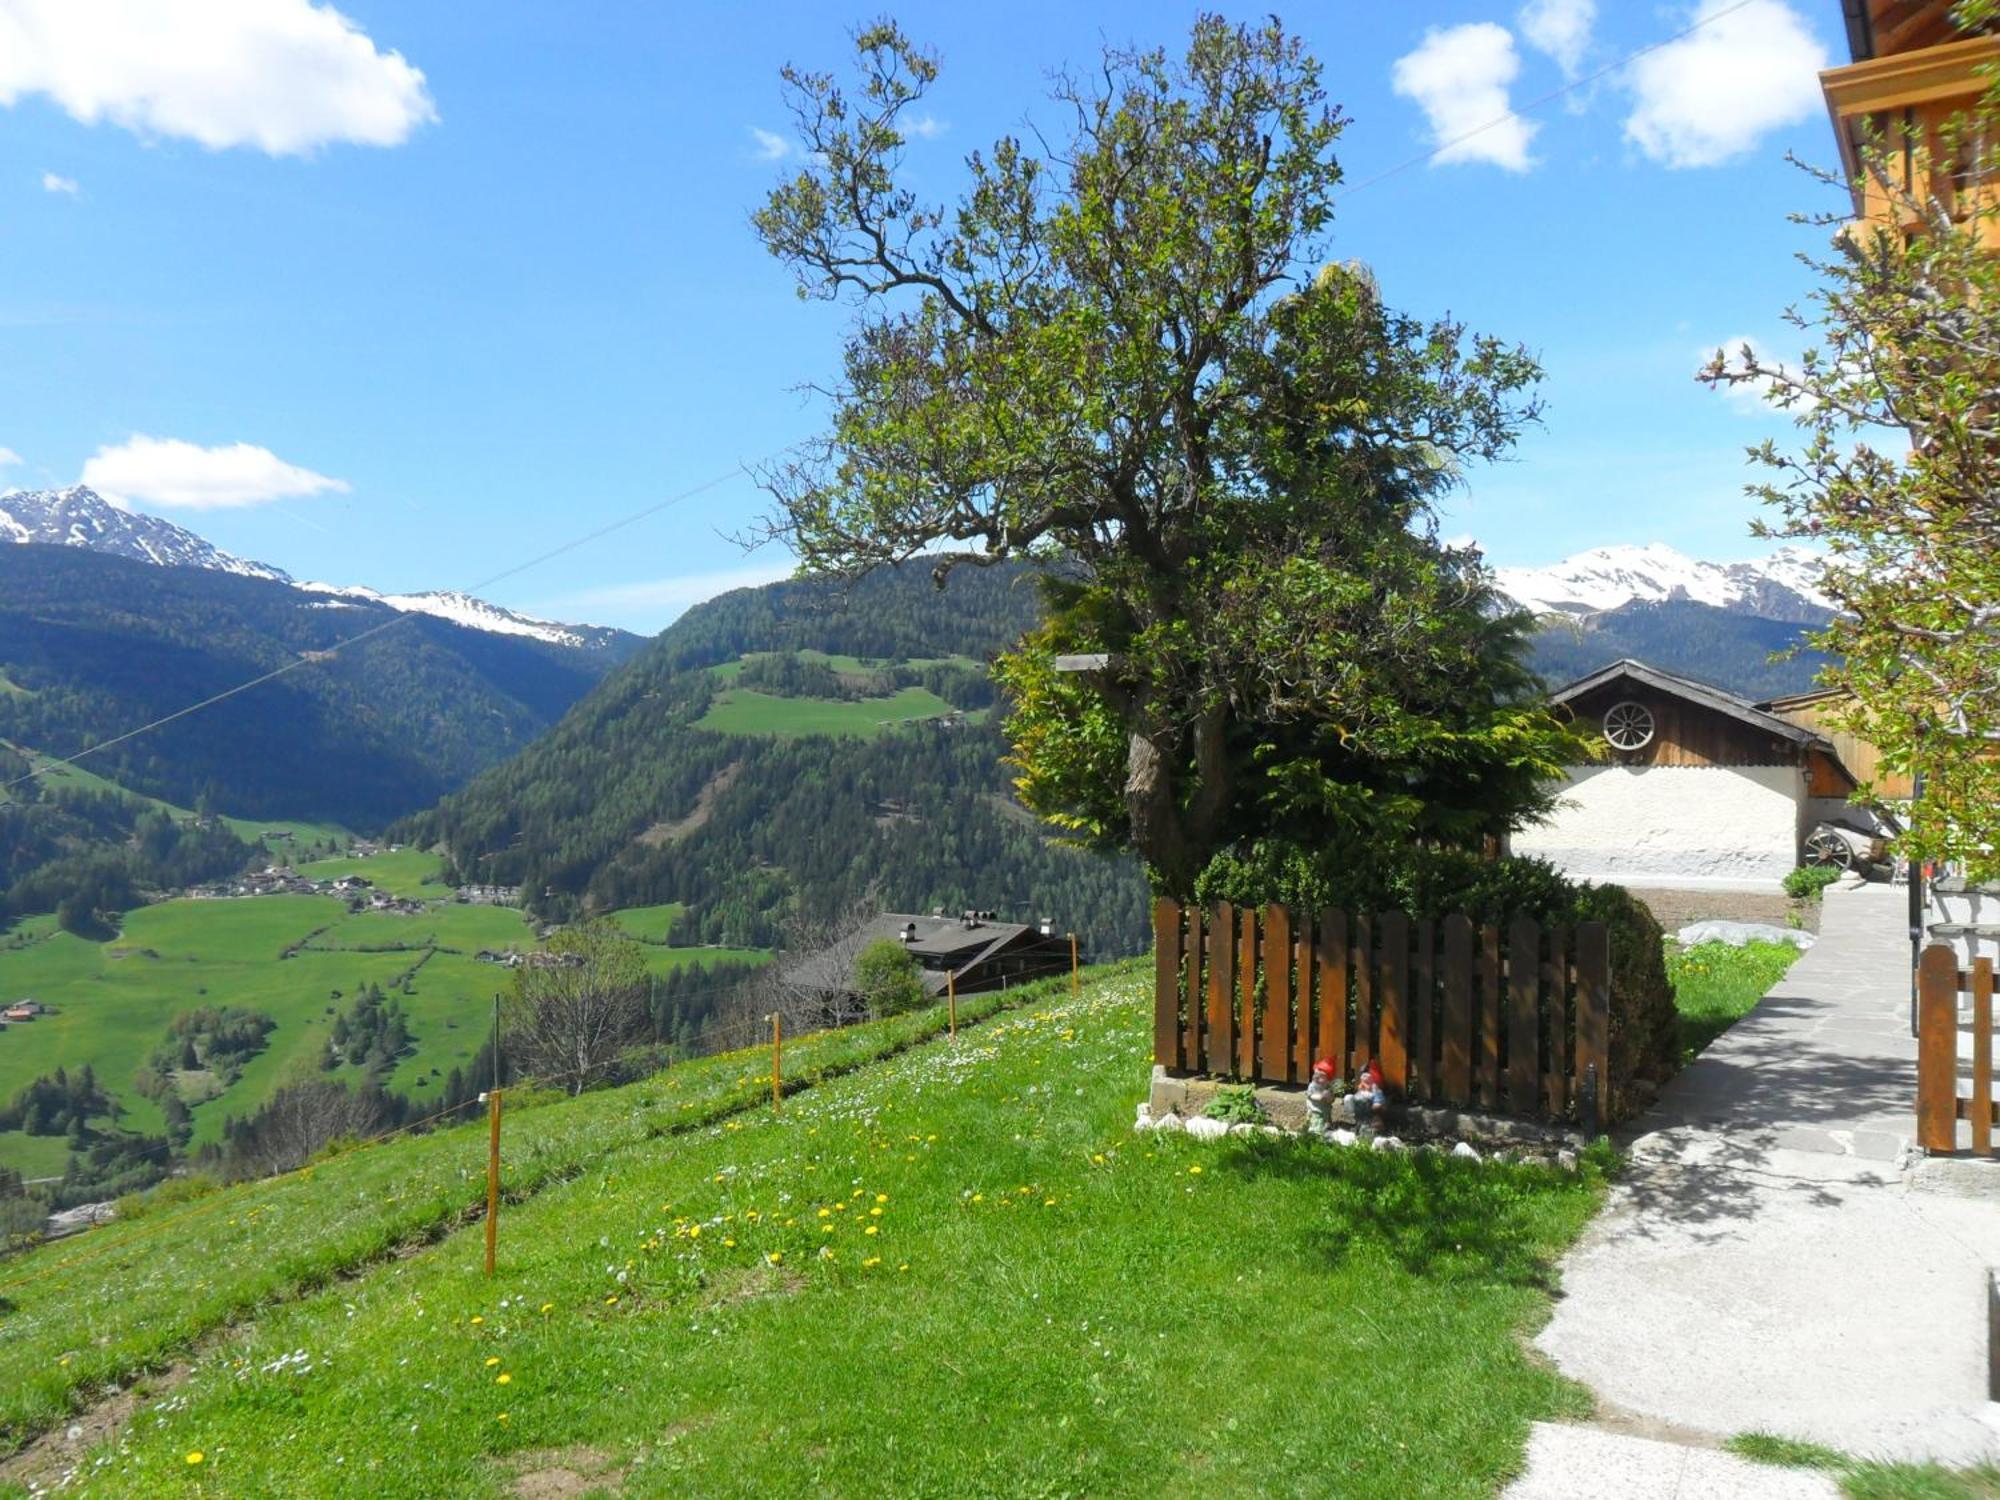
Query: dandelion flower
{"points": [[503, 1378], [730, 1243], [195, 1456], [1048, 1203], [872, 1229], [826, 1229], [492, 1360], [904, 1266], [776, 1257], [881, 1197], [978, 1197], [875, 1212], [871, 1262], [501, 1418], [1194, 1171], [477, 1319], [826, 1213], [610, 1301], [548, 1307]]}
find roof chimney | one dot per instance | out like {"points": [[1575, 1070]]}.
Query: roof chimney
{"points": [[909, 932]]}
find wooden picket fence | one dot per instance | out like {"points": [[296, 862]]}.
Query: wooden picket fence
{"points": [[1514, 1018], [1940, 1069]]}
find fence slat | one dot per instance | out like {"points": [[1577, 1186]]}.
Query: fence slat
{"points": [[1362, 1042], [1392, 948], [1302, 958], [1423, 1028], [1982, 1056], [1246, 984], [1557, 977], [1524, 974], [1191, 1013], [1456, 1060], [1167, 983], [1274, 1049], [1332, 966], [1593, 1013], [1937, 1049], [1488, 1054], [1215, 1047]]}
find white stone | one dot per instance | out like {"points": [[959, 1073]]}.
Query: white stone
{"points": [[1467, 1150], [1243, 1127], [1145, 1120], [1202, 1128], [1170, 1121], [1736, 934], [1387, 1143], [1343, 1137]]}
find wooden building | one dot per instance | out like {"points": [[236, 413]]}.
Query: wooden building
{"points": [[1816, 711], [1912, 70], [1697, 788]]}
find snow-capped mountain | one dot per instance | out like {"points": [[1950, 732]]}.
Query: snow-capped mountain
{"points": [[80, 517], [1782, 586], [477, 614]]}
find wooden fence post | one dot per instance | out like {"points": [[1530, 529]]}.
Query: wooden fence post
{"points": [[1392, 999], [1215, 1048], [1191, 957], [1274, 1054], [1456, 1062], [1166, 983], [492, 1178], [1246, 987], [1937, 1049], [1554, 1075], [1982, 1057], [1330, 959], [1363, 1040], [1488, 1055], [1593, 1024], [1524, 974]]}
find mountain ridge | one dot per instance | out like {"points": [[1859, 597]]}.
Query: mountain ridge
{"points": [[1781, 586]]}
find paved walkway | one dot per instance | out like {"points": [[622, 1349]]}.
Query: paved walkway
{"points": [[1768, 1265]]}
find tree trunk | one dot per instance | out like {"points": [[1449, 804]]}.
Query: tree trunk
{"points": [[1176, 836]]}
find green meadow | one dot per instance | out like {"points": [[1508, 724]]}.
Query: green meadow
{"points": [[289, 832], [747, 711]]}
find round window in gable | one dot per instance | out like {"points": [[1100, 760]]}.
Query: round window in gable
{"points": [[1628, 726]]}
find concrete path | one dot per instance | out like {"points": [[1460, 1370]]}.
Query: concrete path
{"points": [[1768, 1265], [1643, 1469]]}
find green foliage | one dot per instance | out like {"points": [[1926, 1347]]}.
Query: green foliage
{"points": [[628, 802], [1236, 1103], [888, 979], [1895, 470], [1769, 1448], [1808, 881], [1112, 355]]}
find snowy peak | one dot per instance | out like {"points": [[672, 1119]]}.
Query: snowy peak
{"points": [[80, 517], [475, 614], [1782, 586]]}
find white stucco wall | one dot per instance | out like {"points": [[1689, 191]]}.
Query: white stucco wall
{"points": [[1674, 825]]}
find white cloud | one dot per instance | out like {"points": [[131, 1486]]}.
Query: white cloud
{"points": [[1459, 78], [770, 145], [284, 76], [1713, 94], [184, 476], [1751, 398], [8, 458], [924, 127], [1560, 28], [54, 183]]}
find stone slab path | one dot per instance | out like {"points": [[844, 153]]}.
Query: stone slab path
{"points": [[1768, 1264], [1643, 1469]]}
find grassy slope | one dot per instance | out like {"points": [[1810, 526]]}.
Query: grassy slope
{"points": [[414, 874], [81, 779], [649, 924], [1050, 1305], [1715, 986], [114, 1000], [746, 711]]}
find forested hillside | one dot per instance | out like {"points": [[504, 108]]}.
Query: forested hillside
{"points": [[630, 800], [1725, 648], [93, 645]]}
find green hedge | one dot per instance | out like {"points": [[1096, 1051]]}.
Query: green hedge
{"points": [[1435, 883]]}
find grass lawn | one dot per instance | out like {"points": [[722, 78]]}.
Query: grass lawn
{"points": [[746, 711], [416, 874], [957, 1271], [1715, 986], [1867, 1480], [467, 928], [666, 960], [648, 924]]}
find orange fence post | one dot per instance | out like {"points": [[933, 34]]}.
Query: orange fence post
{"points": [[1937, 1049], [492, 1177]]}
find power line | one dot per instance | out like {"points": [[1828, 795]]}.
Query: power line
{"points": [[1549, 98], [315, 658]]}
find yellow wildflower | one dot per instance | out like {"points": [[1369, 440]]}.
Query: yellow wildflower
{"points": [[776, 1257], [548, 1307], [872, 1229], [195, 1456], [492, 1360], [1194, 1171], [503, 1378]]}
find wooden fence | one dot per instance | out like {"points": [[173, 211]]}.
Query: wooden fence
{"points": [[1513, 1018], [1940, 1068]]}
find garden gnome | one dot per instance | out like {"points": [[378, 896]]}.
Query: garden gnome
{"points": [[1320, 1094], [1368, 1099]]}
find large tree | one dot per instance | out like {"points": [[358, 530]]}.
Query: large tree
{"points": [[576, 1007], [1897, 472], [1119, 351]]}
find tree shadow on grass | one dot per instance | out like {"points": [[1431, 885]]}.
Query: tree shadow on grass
{"points": [[1435, 1216]]}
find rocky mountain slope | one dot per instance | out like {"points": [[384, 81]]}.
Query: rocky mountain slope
{"points": [[1781, 586]]}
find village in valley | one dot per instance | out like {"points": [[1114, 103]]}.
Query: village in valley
{"points": [[1106, 922]]}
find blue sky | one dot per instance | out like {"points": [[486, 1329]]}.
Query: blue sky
{"points": [[457, 319]]}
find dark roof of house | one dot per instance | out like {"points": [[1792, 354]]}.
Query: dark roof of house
{"points": [[942, 945], [1740, 709]]}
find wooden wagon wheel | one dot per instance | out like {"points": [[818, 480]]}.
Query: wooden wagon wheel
{"points": [[1629, 726]]}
